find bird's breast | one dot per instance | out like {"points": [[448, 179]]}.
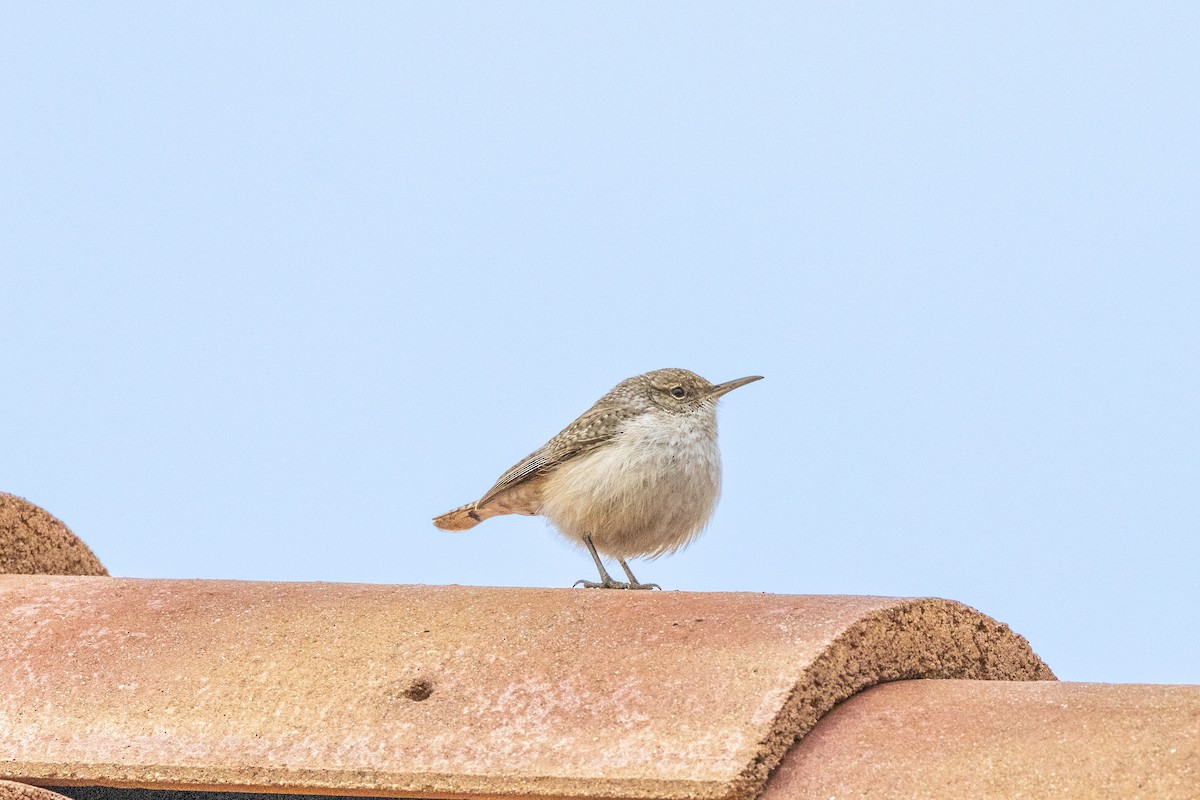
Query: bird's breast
{"points": [[648, 490]]}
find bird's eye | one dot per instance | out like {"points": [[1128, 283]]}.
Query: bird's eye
{"points": [[678, 392]]}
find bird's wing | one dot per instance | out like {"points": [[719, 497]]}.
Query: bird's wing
{"points": [[593, 428]]}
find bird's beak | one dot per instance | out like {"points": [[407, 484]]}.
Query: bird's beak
{"points": [[729, 386]]}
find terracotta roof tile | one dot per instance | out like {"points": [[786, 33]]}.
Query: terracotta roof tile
{"points": [[956, 739], [34, 542], [448, 691], [22, 791]]}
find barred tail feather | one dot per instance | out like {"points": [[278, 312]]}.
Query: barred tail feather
{"points": [[460, 519]]}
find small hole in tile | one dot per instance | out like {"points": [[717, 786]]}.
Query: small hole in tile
{"points": [[418, 690]]}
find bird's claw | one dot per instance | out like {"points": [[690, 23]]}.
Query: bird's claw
{"points": [[610, 584]]}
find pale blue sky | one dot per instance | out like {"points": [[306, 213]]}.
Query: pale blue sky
{"points": [[283, 281]]}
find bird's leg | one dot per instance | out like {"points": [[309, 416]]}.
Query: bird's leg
{"points": [[633, 582], [606, 581]]}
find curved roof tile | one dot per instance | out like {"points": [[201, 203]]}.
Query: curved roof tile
{"points": [[32, 541], [22, 791], [944, 740]]}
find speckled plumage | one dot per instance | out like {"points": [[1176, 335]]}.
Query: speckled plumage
{"points": [[636, 475]]}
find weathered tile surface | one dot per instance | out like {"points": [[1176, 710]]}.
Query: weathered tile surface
{"points": [[448, 691], [944, 740]]}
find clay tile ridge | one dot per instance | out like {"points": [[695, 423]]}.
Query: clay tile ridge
{"points": [[448, 691]]}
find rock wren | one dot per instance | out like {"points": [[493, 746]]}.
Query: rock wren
{"points": [[638, 474]]}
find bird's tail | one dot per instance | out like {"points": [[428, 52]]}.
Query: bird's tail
{"points": [[460, 519]]}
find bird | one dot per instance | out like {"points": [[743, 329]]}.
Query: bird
{"points": [[637, 475]]}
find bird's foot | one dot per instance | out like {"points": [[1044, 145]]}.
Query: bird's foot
{"points": [[611, 584], [608, 583], [634, 583]]}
